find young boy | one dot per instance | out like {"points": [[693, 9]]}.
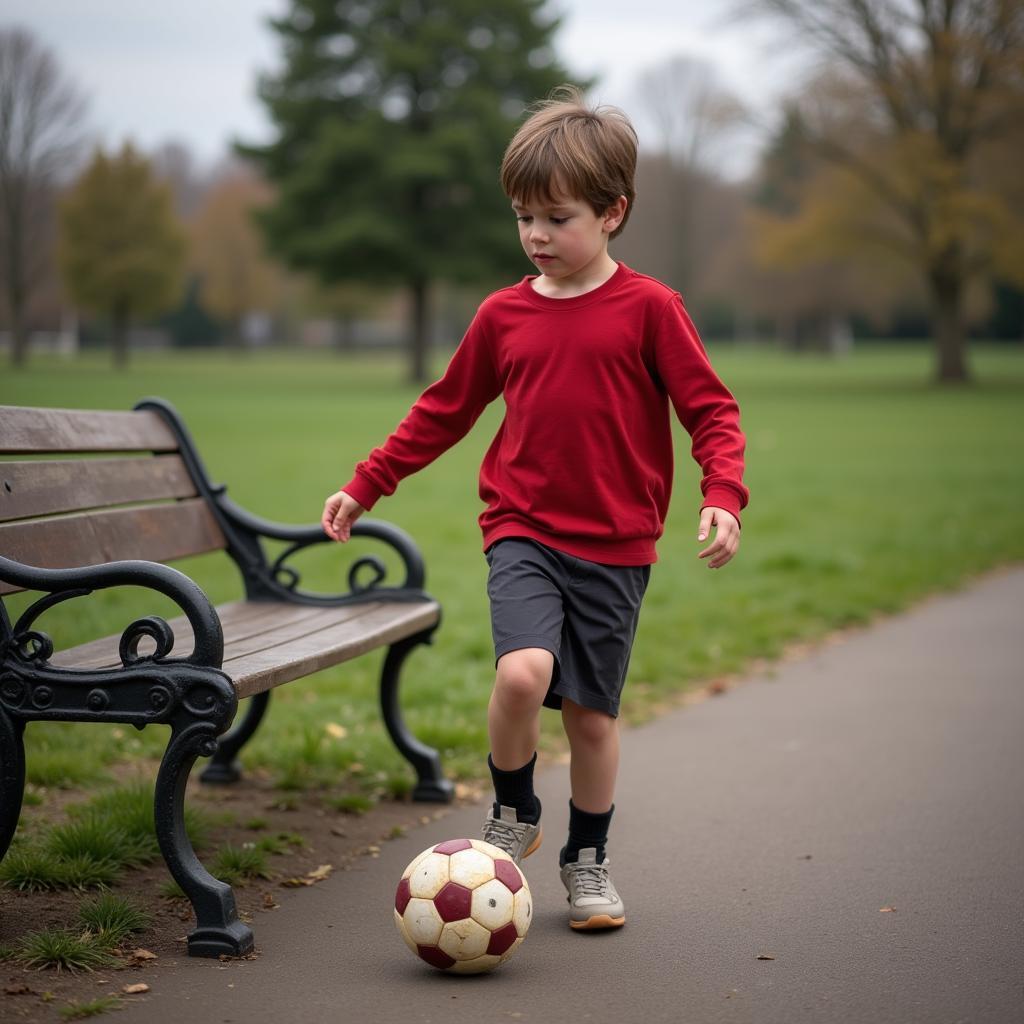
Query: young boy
{"points": [[588, 355]]}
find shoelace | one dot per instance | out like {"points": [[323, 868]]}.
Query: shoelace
{"points": [[500, 834], [592, 881]]}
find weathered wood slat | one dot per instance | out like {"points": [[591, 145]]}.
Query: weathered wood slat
{"points": [[303, 639], [24, 430], [241, 621], [157, 533], [69, 485], [383, 624]]}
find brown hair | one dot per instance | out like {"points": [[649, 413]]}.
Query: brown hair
{"points": [[566, 147]]}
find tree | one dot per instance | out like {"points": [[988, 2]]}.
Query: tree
{"points": [[228, 251], [392, 117], [121, 250], [40, 118], [929, 86]]}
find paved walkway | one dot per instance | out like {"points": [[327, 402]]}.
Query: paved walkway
{"points": [[883, 771]]}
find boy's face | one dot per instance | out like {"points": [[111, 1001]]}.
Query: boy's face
{"points": [[564, 237]]}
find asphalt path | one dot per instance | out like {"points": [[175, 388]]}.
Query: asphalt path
{"points": [[855, 814]]}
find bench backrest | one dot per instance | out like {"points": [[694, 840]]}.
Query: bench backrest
{"points": [[136, 500]]}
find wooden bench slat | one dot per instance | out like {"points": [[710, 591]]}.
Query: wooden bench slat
{"points": [[384, 623], [70, 485], [157, 533], [243, 622], [304, 640], [24, 430]]}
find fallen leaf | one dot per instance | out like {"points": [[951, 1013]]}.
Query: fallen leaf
{"points": [[717, 688], [143, 954], [335, 831], [134, 990], [268, 901], [887, 910], [17, 990], [764, 956], [339, 732], [805, 856], [294, 883], [320, 873]]}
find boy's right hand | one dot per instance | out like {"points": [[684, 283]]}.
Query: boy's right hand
{"points": [[340, 512]]}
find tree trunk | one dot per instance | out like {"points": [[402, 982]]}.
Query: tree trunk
{"points": [[946, 288], [119, 336], [419, 335]]}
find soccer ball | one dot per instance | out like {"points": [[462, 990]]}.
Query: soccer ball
{"points": [[463, 906]]}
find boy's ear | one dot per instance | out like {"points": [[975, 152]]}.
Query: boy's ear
{"points": [[614, 214]]}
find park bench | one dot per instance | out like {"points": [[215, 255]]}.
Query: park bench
{"points": [[71, 526]]}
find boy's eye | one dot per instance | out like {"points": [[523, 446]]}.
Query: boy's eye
{"points": [[559, 220], [523, 218]]}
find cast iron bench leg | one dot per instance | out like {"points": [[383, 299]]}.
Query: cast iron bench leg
{"points": [[12, 777], [218, 928], [432, 784], [223, 767]]}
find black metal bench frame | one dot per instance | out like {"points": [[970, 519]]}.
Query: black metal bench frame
{"points": [[190, 693]]}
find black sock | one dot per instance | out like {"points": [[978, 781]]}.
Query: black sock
{"points": [[586, 830], [515, 789]]}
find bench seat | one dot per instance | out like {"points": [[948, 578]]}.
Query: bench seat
{"points": [[267, 643]]}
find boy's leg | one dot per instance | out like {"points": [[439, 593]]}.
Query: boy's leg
{"points": [[513, 720], [594, 761]]}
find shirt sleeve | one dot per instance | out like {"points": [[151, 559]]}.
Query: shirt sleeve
{"points": [[440, 417], [705, 407]]}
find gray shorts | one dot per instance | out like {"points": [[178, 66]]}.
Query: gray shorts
{"points": [[584, 613]]}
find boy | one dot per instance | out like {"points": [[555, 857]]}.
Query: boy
{"points": [[588, 354]]}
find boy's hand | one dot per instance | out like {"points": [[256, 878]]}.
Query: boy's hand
{"points": [[340, 512], [727, 535]]}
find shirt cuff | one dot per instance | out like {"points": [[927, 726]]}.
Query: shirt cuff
{"points": [[721, 497], [363, 490]]}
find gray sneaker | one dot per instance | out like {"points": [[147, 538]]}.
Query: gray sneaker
{"points": [[593, 901], [517, 838]]}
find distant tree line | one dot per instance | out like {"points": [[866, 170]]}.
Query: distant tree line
{"points": [[886, 199]]}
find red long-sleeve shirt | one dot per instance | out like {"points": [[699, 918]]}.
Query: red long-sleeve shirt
{"points": [[583, 460]]}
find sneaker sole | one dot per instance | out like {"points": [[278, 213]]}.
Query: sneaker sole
{"points": [[535, 845], [598, 921]]}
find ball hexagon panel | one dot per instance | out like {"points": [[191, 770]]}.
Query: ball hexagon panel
{"points": [[475, 966], [453, 902], [415, 862], [400, 925], [522, 910], [471, 868], [465, 940], [492, 904], [492, 851], [423, 923], [435, 956], [402, 896], [502, 940], [507, 871], [451, 846], [430, 876]]}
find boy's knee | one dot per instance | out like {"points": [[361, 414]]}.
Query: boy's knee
{"points": [[586, 725], [524, 676]]}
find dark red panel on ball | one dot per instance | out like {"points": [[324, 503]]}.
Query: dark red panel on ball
{"points": [[436, 957], [454, 902], [453, 846], [502, 939], [508, 873], [402, 896]]}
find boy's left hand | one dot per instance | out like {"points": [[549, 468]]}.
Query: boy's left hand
{"points": [[727, 535]]}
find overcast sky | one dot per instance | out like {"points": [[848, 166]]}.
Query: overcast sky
{"points": [[186, 70]]}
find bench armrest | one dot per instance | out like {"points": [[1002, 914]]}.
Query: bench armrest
{"points": [[280, 581], [63, 584]]}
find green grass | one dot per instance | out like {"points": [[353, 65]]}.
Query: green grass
{"points": [[112, 918], [61, 949], [870, 488], [92, 1008], [234, 864]]}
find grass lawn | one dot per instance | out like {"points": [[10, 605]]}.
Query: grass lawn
{"points": [[870, 487]]}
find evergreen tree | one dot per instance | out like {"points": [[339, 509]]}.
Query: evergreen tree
{"points": [[121, 250], [392, 117]]}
